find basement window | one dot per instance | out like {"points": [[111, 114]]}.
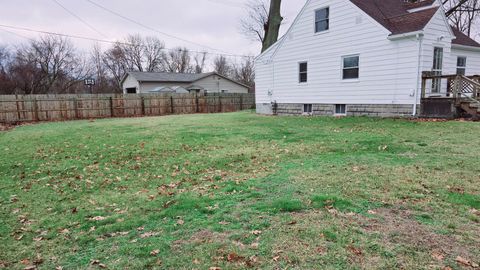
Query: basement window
{"points": [[307, 108], [322, 20], [340, 109], [461, 65]]}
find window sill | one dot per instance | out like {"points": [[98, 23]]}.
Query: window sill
{"points": [[350, 80], [321, 33], [302, 84]]}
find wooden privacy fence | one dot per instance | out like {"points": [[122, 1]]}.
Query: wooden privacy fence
{"points": [[32, 108]]}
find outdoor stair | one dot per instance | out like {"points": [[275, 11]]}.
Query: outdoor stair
{"points": [[472, 107]]}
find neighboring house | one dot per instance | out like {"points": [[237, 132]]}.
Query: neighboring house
{"points": [[361, 57], [152, 82]]}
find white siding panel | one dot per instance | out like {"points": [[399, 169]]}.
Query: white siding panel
{"points": [[473, 60], [388, 69]]}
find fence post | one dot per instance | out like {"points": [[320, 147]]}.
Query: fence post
{"points": [[142, 99], [35, 110], [197, 109], [18, 107], [241, 102], [172, 109], [112, 110], [220, 102], [75, 108]]}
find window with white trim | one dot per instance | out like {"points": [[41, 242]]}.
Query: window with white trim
{"points": [[437, 69], [307, 108], [303, 72], [351, 67], [461, 65], [340, 109], [322, 20]]}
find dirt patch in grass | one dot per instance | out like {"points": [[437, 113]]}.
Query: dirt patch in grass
{"points": [[202, 237], [399, 227], [5, 127]]}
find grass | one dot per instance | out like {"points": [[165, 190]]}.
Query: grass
{"points": [[240, 191]]}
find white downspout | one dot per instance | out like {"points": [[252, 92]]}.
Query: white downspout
{"points": [[417, 88]]}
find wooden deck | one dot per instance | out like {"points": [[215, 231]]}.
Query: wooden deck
{"points": [[457, 96]]}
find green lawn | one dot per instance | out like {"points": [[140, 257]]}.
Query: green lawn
{"points": [[237, 191]]}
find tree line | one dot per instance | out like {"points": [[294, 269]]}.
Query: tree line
{"points": [[53, 65]]}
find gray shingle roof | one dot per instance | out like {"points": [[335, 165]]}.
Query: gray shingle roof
{"points": [[168, 77]]}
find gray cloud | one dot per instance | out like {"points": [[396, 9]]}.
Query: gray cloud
{"points": [[213, 23]]}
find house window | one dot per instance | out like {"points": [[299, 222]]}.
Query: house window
{"points": [[437, 69], [461, 65], [340, 109], [322, 19], [303, 72], [351, 67], [307, 108], [132, 90]]}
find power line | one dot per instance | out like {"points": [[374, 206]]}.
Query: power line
{"points": [[80, 19], [151, 28], [106, 41]]}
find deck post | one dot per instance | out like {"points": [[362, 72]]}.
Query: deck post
{"points": [[424, 87]]}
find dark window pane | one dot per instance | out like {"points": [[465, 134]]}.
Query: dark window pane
{"points": [[460, 71], [307, 108], [349, 62], [461, 62], [303, 77], [303, 67], [321, 14], [351, 73], [321, 26], [340, 108]]}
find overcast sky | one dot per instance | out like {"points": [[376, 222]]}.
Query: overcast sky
{"points": [[212, 23]]}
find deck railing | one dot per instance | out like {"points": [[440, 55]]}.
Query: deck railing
{"points": [[454, 86]]}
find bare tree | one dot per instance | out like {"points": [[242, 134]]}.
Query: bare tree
{"points": [[48, 65], [200, 62], [463, 14], [153, 54], [263, 22], [222, 66], [253, 24], [114, 61], [178, 61], [245, 72]]}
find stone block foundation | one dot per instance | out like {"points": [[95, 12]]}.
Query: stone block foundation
{"points": [[373, 110]]}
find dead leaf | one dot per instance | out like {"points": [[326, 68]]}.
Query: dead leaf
{"points": [[155, 252], [149, 234], [276, 258], [223, 223], [256, 232], [254, 245], [214, 268], [233, 257], [355, 250], [98, 218], [180, 222], [30, 267], [371, 212], [196, 261], [438, 256], [463, 261]]}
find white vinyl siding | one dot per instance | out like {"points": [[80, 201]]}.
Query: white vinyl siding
{"points": [[388, 68]]}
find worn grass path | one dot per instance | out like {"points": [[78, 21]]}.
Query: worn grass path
{"points": [[239, 191]]}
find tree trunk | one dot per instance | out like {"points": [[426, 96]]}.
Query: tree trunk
{"points": [[272, 27]]}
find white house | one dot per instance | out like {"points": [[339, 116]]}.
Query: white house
{"points": [[158, 82], [361, 57]]}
